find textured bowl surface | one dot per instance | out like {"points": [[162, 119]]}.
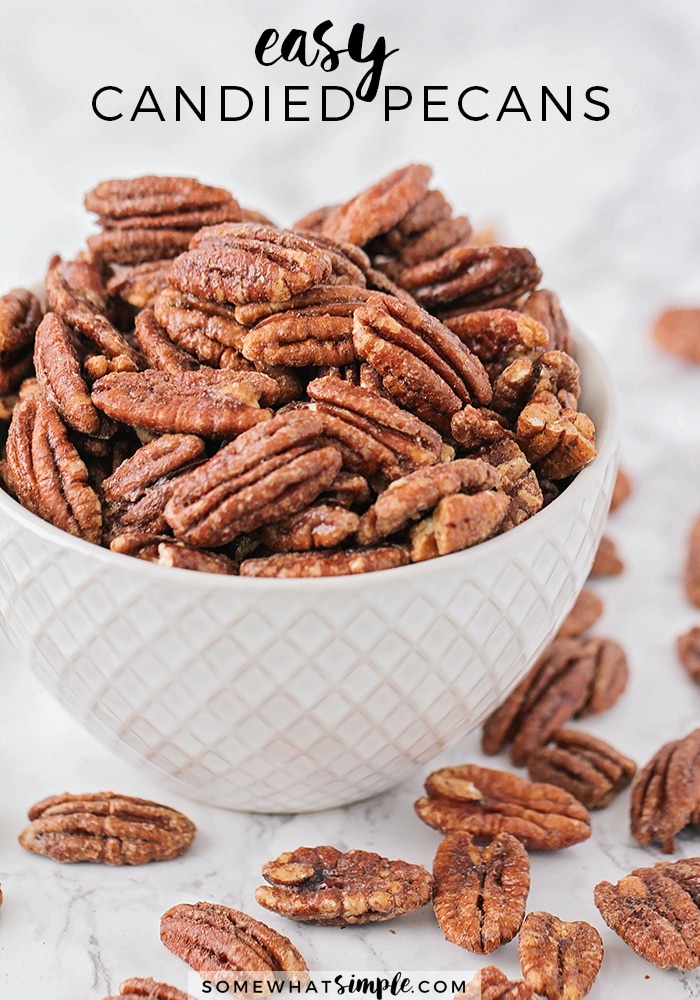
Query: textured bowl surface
{"points": [[296, 695]]}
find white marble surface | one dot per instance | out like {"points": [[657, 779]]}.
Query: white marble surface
{"points": [[612, 212]]}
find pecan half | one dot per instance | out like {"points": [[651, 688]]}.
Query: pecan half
{"points": [[609, 678], [152, 195], [148, 989], [245, 262], [666, 792], [492, 984], [376, 438], [48, 475], [206, 329], [318, 527], [557, 440], [516, 479], [499, 335], [140, 284], [476, 426], [379, 207], [549, 696], [252, 313], [207, 402], [406, 498], [691, 579], [458, 522], [59, 374], [157, 347], [138, 246], [592, 770], [688, 646], [305, 564], [560, 959], [606, 562], [655, 916], [525, 378], [350, 263], [471, 277], [167, 552], [322, 885], [484, 802], [686, 872], [480, 892], [543, 305], [14, 368], [107, 828], [20, 315], [212, 938], [423, 365], [586, 611], [678, 332], [267, 473]]}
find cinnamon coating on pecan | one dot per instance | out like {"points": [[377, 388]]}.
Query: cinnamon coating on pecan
{"points": [[379, 207], [557, 440], [138, 246], [588, 767], [688, 646], [14, 368], [499, 335], [20, 315], [678, 332], [342, 563], [560, 959], [152, 195], [167, 552], [59, 374], [606, 561], [148, 989], [322, 885], [157, 347], [458, 522], [543, 305], [586, 611], [492, 984], [139, 284], [318, 527], [666, 793], [516, 479]]}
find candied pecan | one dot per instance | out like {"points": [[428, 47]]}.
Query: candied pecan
{"points": [[138, 246], [189, 221], [314, 298], [157, 347], [557, 440], [544, 306], [85, 278], [666, 792], [516, 479], [654, 915], [317, 527], [560, 959], [82, 315], [691, 579], [350, 263], [431, 209], [476, 426], [492, 984], [207, 402], [423, 365], [20, 315], [379, 207], [555, 689], [484, 802], [304, 564], [152, 195], [686, 872], [348, 489], [141, 283], [609, 678], [314, 219], [586, 611], [212, 938], [592, 770], [678, 332], [107, 828], [13, 369], [167, 552], [245, 262], [377, 438], [49, 477], [606, 561], [198, 326], [59, 375], [458, 522], [465, 278], [421, 246], [499, 335], [97, 365], [622, 489], [148, 989], [7, 405], [688, 646], [266, 474], [406, 498], [480, 892], [321, 885]]}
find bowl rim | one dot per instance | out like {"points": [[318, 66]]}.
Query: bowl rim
{"points": [[607, 434]]}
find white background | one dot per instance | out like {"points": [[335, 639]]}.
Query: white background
{"points": [[612, 211]]}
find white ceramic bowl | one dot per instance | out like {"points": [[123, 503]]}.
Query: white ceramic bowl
{"points": [[297, 695]]}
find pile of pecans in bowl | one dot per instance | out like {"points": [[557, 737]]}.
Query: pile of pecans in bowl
{"points": [[372, 387]]}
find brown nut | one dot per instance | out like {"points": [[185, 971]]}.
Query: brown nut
{"points": [[322, 885], [543, 305], [586, 611], [560, 959], [480, 892], [59, 375], [666, 792], [343, 563], [318, 527], [591, 769], [688, 646], [557, 440], [107, 828], [692, 567], [492, 984], [678, 332], [458, 522], [20, 315], [606, 562]]}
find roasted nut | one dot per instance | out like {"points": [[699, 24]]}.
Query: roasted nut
{"points": [[516, 479], [267, 473], [666, 792], [678, 332], [480, 892], [557, 440], [622, 489], [140, 284], [458, 522], [167, 552], [317, 527], [348, 561], [321, 885], [592, 770], [207, 402], [692, 566], [245, 262], [586, 611], [492, 984], [423, 365], [157, 347], [20, 315], [688, 646], [148, 989], [379, 207], [655, 916], [606, 562], [477, 427], [484, 802], [609, 678], [499, 335], [685, 872], [544, 306], [213, 938], [108, 828], [47, 473], [59, 375], [560, 959], [208, 330], [152, 195]]}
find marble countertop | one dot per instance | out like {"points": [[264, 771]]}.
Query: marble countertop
{"points": [[612, 212]]}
